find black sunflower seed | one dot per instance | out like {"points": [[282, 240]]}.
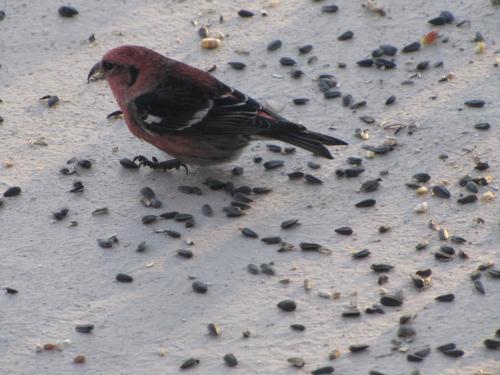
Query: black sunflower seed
{"points": [[358, 105], [240, 197], [447, 250], [267, 269], [182, 217], [253, 269], [375, 309], [288, 224], [383, 63], [379, 52], [475, 103], [188, 254], [358, 348], [346, 35], [361, 254], [354, 160], [447, 15], [381, 267], [365, 63], [199, 287], [232, 211], [240, 205], [423, 65], [273, 164], [345, 231], [245, 13], [412, 357], [169, 215], [441, 191], [207, 210], [479, 286], [388, 49], [495, 273], [353, 172], [298, 327], [437, 21], [148, 219], [247, 232], [454, 353], [309, 246], [412, 47], [470, 198], [492, 344], [300, 101], [443, 256], [329, 9], [445, 297], [482, 166], [353, 313], [446, 347], [472, 187], [84, 163], [188, 363], [305, 49], [12, 191], [77, 187], [287, 305], [384, 228], [367, 119], [390, 100], [67, 11], [482, 126], [230, 360], [124, 278], [274, 45], [84, 328], [347, 100], [9, 290], [313, 180], [370, 186], [391, 300], [105, 243], [383, 279], [458, 239], [287, 61], [271, 240], [366, 203], [236, 65], [296, 73], [61, 214]]}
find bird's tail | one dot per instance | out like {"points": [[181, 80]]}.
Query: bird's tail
{"points": [[311, 141]]}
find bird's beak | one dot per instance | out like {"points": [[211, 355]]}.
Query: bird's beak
{"points": [[96, 72]]}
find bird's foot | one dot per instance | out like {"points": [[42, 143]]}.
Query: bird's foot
{"points": [[155, 164]]}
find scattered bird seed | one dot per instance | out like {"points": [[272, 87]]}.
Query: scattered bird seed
{"points": [[358, 348], [124, 278], [199, 287], [274, 45], [346, 35], [366, 203], [189, 363], [12, 192], [245, 13], [230, 360], [475, 103], [84, 328], [287, 305], [273, 164], [67, 11], [291, 223]]}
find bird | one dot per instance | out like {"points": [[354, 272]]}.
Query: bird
{"points": [[191, 115]]}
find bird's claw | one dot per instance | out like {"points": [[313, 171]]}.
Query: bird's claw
{"points": [[163, 165]]}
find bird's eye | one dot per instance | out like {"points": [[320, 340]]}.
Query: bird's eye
{"points": [[108, 66]]}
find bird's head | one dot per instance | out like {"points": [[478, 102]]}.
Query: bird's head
{"points": [[127, 70]]}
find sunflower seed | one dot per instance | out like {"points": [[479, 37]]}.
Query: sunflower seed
{"points": [[247, 232], [214, 329], [232, 211], [345, 231], [365, 63], [492, 344], [383, 63], [329, 9], [482, 126], [391, 300], [296, 362], [475, 103], [422, 177], [309, 246], [273, 164], [388, 49], [12, 191], [305, 49], [470, 198], [479, 286], [370, 186], [287, 61], [288, 224], [412, 47], [346, 35], [455, 353], [188, 254], [236, 65], [381, 267], [362, 254], [230, 360], [300, 101], [287, 305], [323, 370], [183, 217], [313, 180], [298, 327], [347, 100], [245, 13], [271, 240], [253, 269], [274, 45], [446, 347], [199, 287], [358, 348], [124, 278], [188, 363], [67, 11], [445, 297], [366, 203], [267, 269], [148, 219], [441, 191]]}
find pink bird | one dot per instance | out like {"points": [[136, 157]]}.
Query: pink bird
{"points": [[191, 115]]}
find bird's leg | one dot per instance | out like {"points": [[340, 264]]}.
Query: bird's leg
{"points": [[155, 164]]}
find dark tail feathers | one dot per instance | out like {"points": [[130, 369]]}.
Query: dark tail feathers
{"points": [[311, 141]]}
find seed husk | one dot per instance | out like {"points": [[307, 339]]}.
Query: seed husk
{"points": [[274, 45], [124, 278], [495, 273], [313, 179], [345, 231], [296, 362], [323, 370], [230, 360], [445, 297], [287, 305], [478, 285], [128, 164], [475, 103], [271, 240], [288, 224], [188, 363], [199, 287], [366, 203]]}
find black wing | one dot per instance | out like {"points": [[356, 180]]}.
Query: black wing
{"points": [[182, 109]]}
